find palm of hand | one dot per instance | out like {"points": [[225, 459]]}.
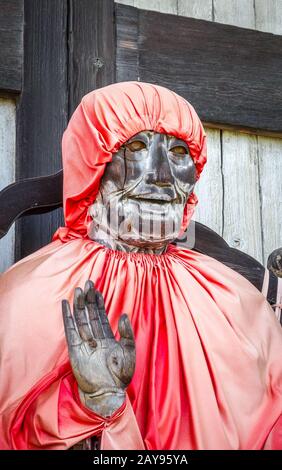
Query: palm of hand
{"points": [[100, 364]]}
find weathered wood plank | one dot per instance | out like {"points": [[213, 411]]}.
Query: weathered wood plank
{"points": [[42, 112], [11, 45], [127, 53], [209, 188], [269, 18], [163, 6], [269, 15], [7, 166], [201, 9], [126, 2], [235, 12], [270, 171], [242, 217], [230, 74], [238, 13], [91, 47]]}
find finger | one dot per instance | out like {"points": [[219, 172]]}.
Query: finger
{"points": [[80, 316], [126, 331], [72, 336], [93, 311], [107, 330]]}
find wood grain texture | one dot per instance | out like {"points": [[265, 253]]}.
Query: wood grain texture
{"points": [[235, 12], [163, 6], [7, 166], [230, 74], [270, 173], [91, 47], [69, 51], [11, 45], [242, 218], [201, 9], [42, 111], [127, 53], [269, 15], [269, 18], [209, 188], [125, 2]]}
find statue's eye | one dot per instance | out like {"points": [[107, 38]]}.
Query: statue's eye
{"points": [[179, 150], [136, 145]]}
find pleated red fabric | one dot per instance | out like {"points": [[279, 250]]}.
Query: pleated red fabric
{"points": [[208, 371]]}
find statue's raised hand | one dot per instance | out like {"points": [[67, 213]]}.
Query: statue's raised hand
{"points": [[103, 367]]}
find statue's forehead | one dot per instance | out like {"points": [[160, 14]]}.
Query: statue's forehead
{"points": [[153, 134]]}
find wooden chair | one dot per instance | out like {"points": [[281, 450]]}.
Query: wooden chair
{"points": [[44, 194]]}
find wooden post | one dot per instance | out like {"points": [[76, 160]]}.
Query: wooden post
{"points": [[68, 51]]}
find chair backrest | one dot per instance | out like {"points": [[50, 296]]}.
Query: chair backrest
{"points": [[44, 194]]}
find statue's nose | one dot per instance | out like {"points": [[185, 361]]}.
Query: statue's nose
{"points": [[158, 168]]}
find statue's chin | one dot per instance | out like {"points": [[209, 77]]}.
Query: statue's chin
{"points": [[152, 243]]}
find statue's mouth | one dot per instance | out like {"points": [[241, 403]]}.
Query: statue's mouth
{"points": [[154, 198], [107, 391]]}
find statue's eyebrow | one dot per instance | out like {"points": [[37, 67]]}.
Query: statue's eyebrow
{"points": [[175, 141], [139, 136]]}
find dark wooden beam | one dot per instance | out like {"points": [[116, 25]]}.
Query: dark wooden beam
{"points": [[11, 45], [42, 111], [69, 51], [231, 75], [91, 47]]}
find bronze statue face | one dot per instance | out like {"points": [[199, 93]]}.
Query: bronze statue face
{"points": [[143, 193]]}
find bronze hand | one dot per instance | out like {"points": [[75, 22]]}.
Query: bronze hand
{"points": [[103, 367]]}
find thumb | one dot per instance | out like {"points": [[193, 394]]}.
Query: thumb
{"points": [[125, 331]]}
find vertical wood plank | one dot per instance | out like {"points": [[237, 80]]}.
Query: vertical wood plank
{"points": [[91, 48], [270, 172], [127, 53], [42, 111], [209, 188], [242, 217], [269, 19], [241, 200], [163, 6], [7, 166], [201, 9], [236, 12], [11, 40], [269, 15], [126, 2]]}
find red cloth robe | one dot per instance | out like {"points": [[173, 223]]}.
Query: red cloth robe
{"points": [[208, 371]]}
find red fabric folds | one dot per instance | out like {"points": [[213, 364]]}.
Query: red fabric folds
{"points": [[208, 371]]}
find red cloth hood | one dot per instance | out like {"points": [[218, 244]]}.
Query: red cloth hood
{"points": [[104, 120]]}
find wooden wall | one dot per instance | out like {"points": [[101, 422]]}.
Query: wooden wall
{"points": [[7, 171], [240, 192]]}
